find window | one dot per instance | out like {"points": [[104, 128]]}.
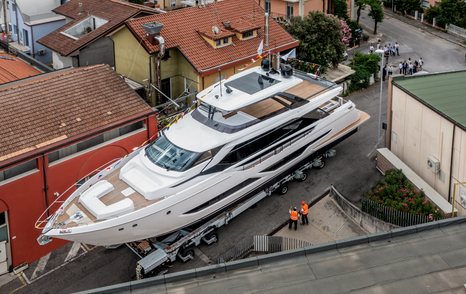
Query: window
{"points": [[99, 139], [248, 34], [15, 29], [268, 6], [173, 3], [13, 6], [218, 42], [289, 10], [165, 154], [25, 38], [3, 227], [18, 170], [84, 27], [166, 88], [246, 149], [225, 41]]}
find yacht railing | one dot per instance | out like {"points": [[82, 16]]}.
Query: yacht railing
{"points": [[47, 218]]}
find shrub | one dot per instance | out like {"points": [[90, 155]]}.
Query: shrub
{"points": [[396, 191], [364, 65]]}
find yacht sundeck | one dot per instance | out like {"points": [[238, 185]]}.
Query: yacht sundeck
{"points": [[247, 130]]}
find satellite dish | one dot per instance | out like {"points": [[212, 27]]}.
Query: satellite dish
{"points": [[215, 30]]}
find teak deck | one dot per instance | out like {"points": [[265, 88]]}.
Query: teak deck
{"points": [[108, 199], [305, 90]]}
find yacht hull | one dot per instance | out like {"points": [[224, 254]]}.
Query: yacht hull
{"points": [[232, 186]]}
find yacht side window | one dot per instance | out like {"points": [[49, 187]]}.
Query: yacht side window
{"points": [[165, 154], [315, 115]]}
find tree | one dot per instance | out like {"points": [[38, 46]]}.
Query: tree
{"points": [[431, 13], [361, 4], [320, 38], [341, 9], [376, 13], [409, 5], [453, 12]]}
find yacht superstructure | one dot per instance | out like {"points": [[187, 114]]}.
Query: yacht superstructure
{"points": [[246, 130]]}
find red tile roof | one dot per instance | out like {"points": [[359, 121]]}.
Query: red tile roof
{"points": [[63, 105], [114, 11], [181, 29], [13, 68]]}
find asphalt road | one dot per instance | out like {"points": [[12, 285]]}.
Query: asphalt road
{"points": [[438, 54], [352, 172]]}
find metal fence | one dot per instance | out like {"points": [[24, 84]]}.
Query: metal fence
{"points": [[455, 30], [391, 215], [261, 244]]}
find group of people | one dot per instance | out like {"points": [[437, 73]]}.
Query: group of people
{"points": [[409, 67], [406, 67], [295, 214], [388, 49]]}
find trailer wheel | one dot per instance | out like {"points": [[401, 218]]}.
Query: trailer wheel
{"points": [[283, 189], [321, 165], [186, 254], [303, 177]]}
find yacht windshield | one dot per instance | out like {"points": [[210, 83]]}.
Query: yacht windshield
{"points": [[167, 155]]}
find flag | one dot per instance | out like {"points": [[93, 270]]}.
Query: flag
{"points": [[291, 54], [260, 48]]}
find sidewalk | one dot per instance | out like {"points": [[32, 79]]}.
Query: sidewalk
{"points": [[327, 223]]}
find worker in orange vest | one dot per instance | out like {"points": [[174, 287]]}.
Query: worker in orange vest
{"points": [[304, 212], [294, 216]]}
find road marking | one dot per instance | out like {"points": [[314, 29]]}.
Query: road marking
{"points": [[73, 251], [40, 266], [24, 284], [202, 256]]}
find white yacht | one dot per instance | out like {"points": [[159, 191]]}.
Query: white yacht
{"points": [[247, 131]]}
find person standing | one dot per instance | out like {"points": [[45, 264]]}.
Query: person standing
{"points": [[384, 72], [400, 67], [294, 216], [405, 67], [371, 49], [421, 63], [397, 48], [304, 212], [390, 70]]}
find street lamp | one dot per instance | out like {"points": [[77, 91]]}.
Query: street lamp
{"points": [[379, 126]]}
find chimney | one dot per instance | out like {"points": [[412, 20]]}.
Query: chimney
{"points": [[80, 8], [266, 42]]}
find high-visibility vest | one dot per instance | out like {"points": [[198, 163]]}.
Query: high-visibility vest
{"points": [[304, 209], [294, 215]]}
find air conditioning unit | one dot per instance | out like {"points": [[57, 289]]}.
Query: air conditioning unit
{"points": [[433, 164], [41, 52]]}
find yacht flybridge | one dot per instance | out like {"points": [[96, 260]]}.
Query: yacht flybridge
{"points": [[247, 130]]}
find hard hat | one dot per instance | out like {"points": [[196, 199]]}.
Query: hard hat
{"points": [[294, 208]]}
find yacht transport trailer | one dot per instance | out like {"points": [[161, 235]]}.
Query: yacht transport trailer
{"points": [[156, 256]]}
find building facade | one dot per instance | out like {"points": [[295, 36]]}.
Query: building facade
{"points": [[82, 119], [31, 20], [202, 45], [84, 40], [427, 130]]}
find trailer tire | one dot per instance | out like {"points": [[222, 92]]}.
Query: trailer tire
{"points": [[283, 189], [321, 165], [303, 177]]}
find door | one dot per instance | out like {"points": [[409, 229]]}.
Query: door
{"points": [[3, 261], [3, 243]]}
